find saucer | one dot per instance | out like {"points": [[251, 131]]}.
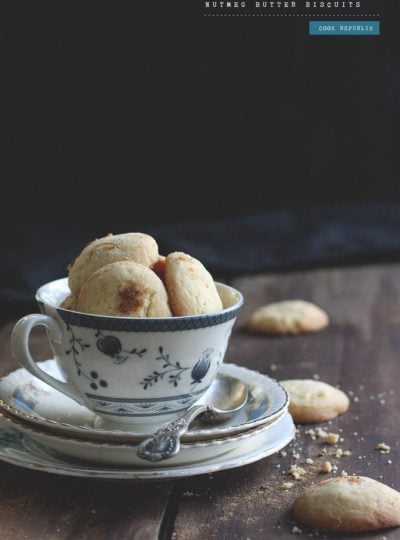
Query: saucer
{"points": [[125, 455], [33, 401], [19, 449]]}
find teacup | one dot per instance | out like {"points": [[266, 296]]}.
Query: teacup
{"points": [[126, 369]]}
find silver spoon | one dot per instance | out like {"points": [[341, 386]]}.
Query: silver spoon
{"points": [[225, 397]]}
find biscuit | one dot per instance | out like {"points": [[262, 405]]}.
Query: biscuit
{"points": [[348, 504], [288, 317], [159, 267], [124, 289], [69, 302], [314, 401], [191, 288], [137, 247]]}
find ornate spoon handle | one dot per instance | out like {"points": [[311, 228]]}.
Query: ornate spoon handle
{"points": [[165, 442]]}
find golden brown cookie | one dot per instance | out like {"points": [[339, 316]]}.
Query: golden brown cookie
{"points": [[124, 289], [191, 288], [137, 247], [288, 317], [348, 504], [69, 302], [314, 401]]}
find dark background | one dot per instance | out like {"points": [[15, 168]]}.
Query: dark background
{"points": [[244, 141]]}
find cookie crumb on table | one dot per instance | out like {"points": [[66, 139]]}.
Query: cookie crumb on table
{"points": [[332, 438], [383, 448], [326, 467]]}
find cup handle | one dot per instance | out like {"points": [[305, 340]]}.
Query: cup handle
{"points": [[20, 351]]}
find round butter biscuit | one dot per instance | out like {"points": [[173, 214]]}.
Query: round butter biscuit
{"points": [[348, 504], [314, 401], [138, 247], [288, 317], [124, 289], [191, 288]]}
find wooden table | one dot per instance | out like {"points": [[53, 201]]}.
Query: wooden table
{"points": [[360, 352]]}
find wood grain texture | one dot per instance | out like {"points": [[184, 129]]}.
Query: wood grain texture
{"points": [[360, 351]]}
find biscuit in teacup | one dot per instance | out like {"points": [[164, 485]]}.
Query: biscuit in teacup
{"points": [[191, 288], [137, 247], [69, 302], [124, 289]]}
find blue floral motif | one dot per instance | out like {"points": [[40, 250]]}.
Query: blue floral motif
{"points": [[202, 366], [78, 347], [111, 346], [174, 370]]}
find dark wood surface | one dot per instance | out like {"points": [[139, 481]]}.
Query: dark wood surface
{"points": [[359, 351]]}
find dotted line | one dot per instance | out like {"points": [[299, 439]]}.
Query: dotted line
{"points": [[284, 15]]}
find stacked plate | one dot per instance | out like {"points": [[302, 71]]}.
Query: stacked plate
{"points": [[43, 429]]}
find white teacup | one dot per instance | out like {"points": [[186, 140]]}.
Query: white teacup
{"points": [[127, 369]]}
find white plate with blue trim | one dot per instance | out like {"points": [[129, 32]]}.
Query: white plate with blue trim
{"points": [[25, 397], [20, 449]]}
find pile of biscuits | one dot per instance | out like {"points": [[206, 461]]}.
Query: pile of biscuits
{"points": [[125, 276]]}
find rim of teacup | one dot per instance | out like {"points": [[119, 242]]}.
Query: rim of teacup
{"points": [[185, 322]]}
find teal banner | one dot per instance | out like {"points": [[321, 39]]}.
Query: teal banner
{"points": [[344, 28]]}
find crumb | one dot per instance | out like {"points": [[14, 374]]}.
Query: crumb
{"points": [[296, 472], [283, 453], [322, 452], [347, 453], [356, 399], [312, 433], [382, 401], [188, 493], [287, 485], [339, 453], [383, 448], [273, 367], [321, 433], [344, 473], [326, 467], [355, 433], [315, 377], [389, 461], [296, 530], [332, 438], [309, 461]]}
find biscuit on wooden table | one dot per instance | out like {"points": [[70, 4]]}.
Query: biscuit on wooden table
{"points": [[288, 317], [314, 401], [348, 504]]}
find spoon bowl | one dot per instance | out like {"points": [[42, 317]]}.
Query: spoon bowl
{"points": [[226, 396]]}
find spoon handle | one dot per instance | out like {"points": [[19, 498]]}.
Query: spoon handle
{"points": [[165, 442]]}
